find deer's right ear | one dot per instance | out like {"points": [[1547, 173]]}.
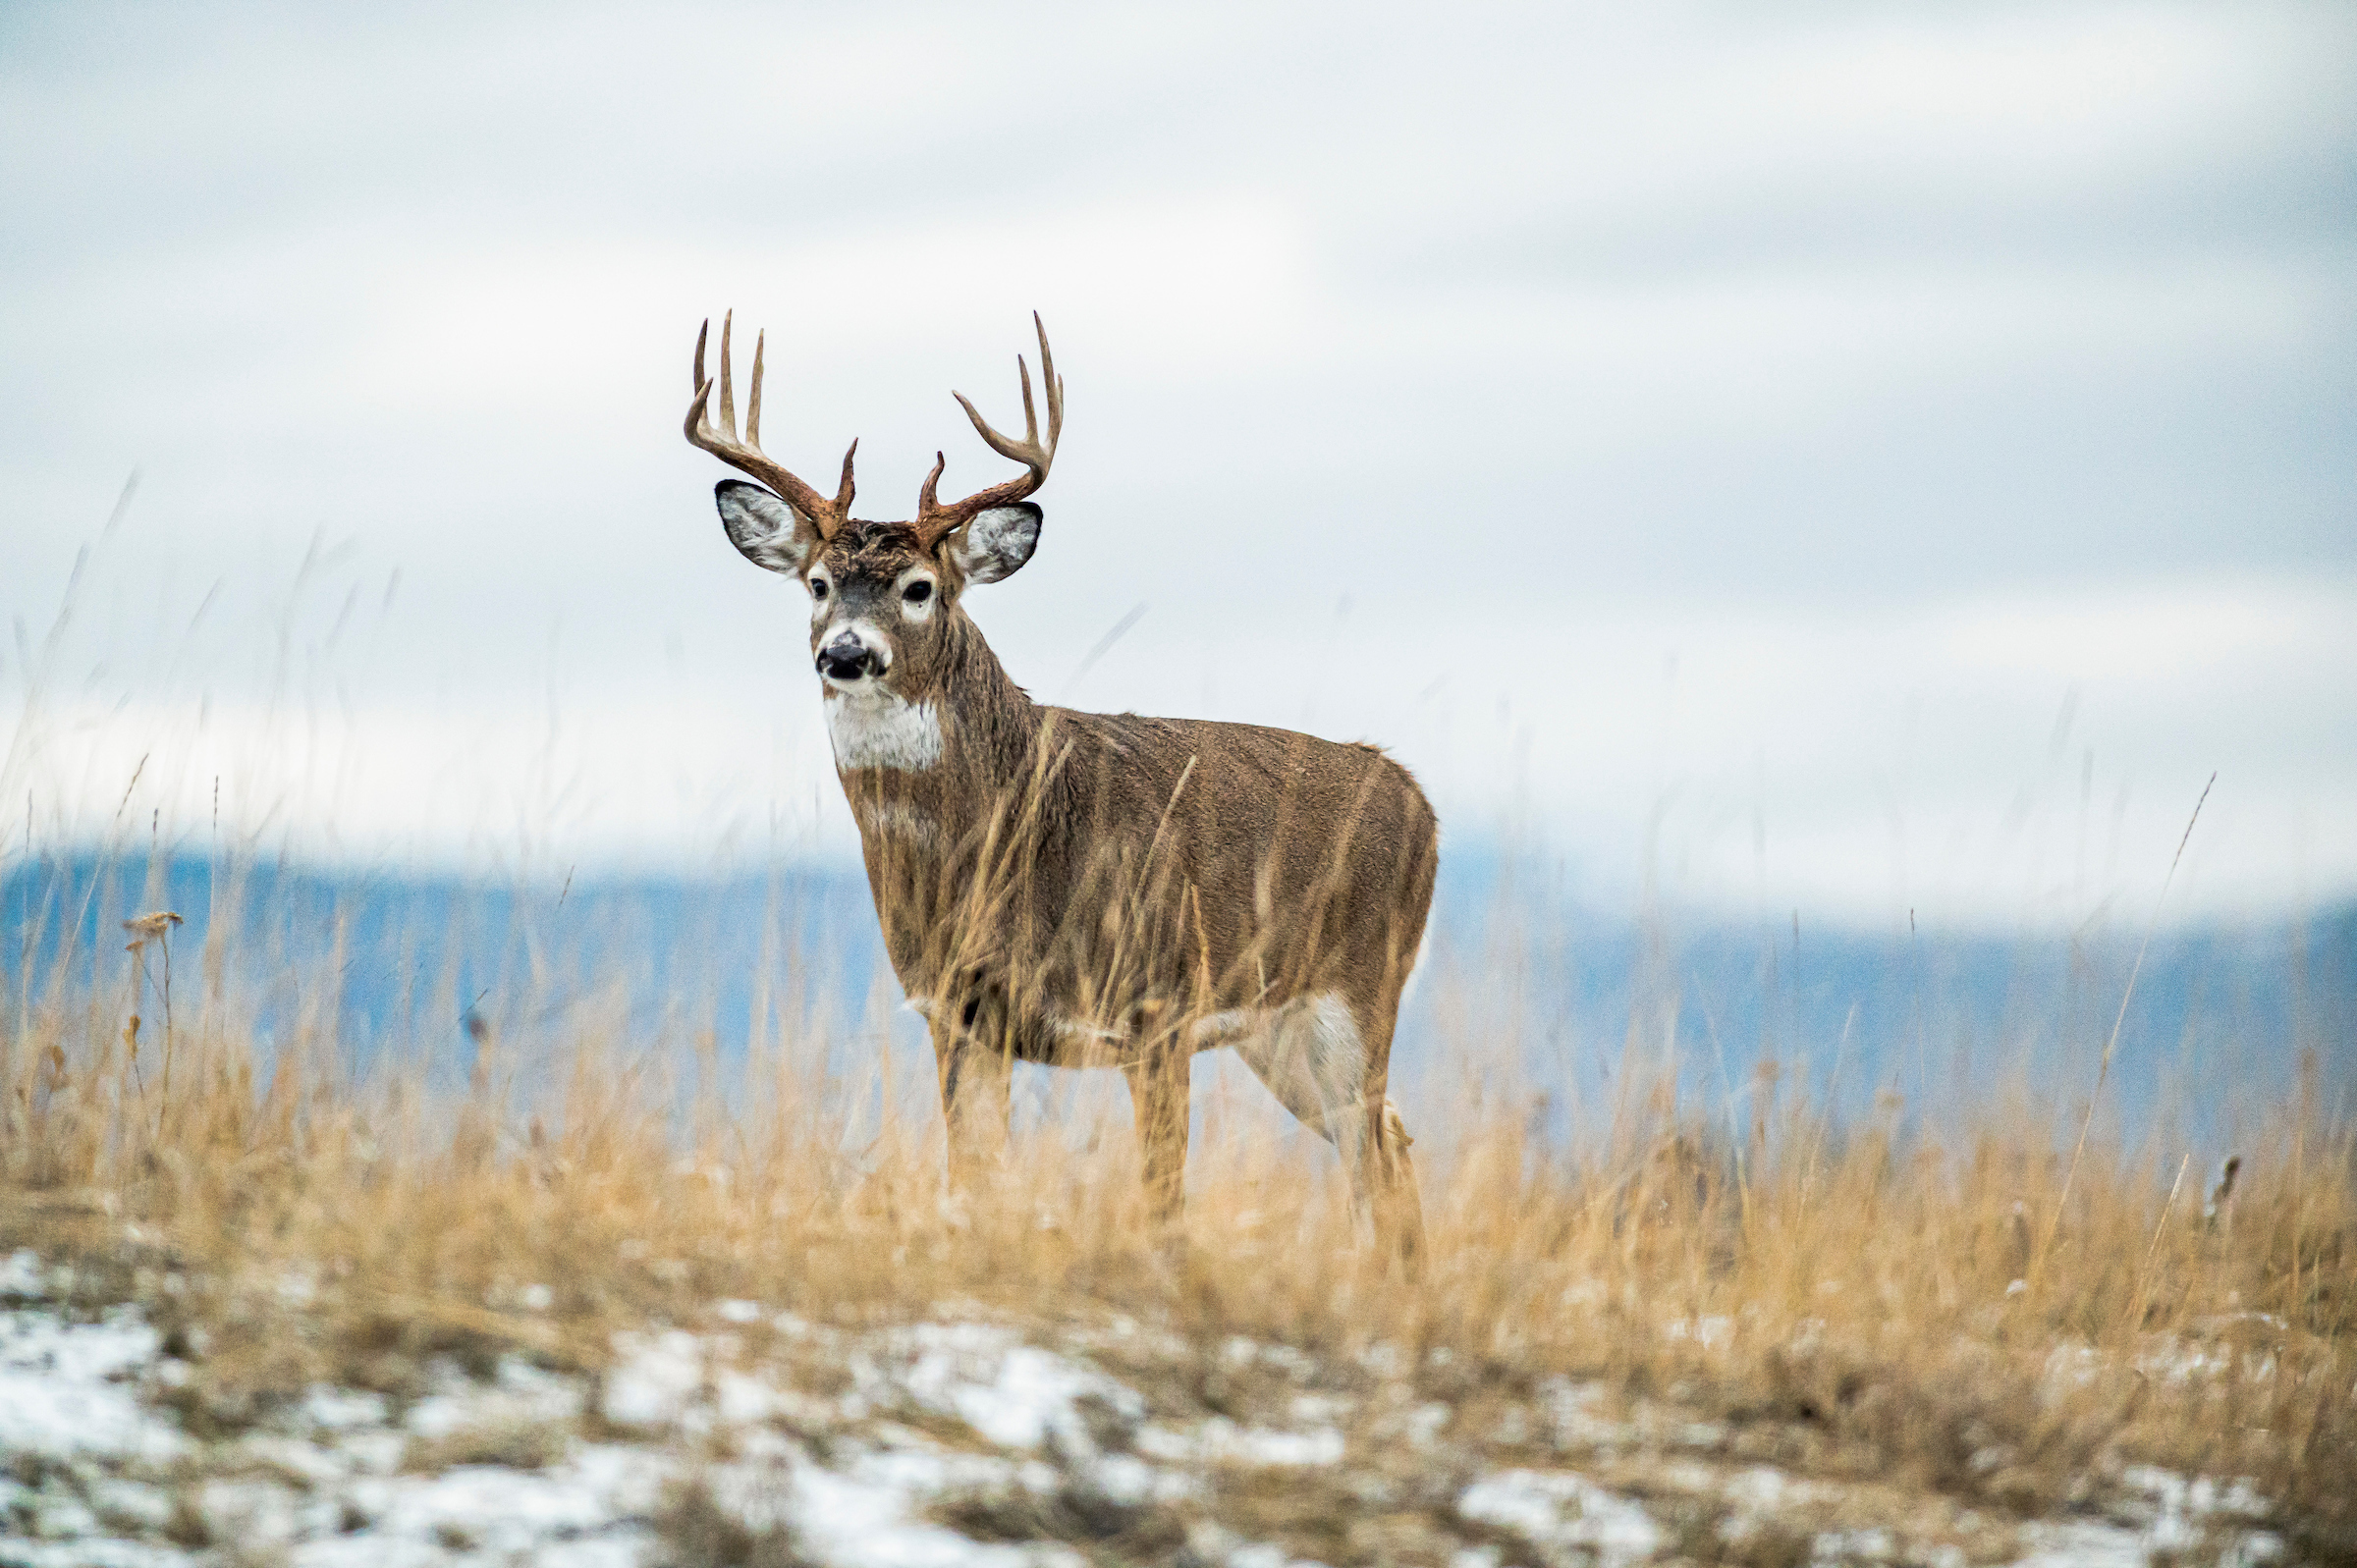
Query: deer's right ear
{"points": [[765, 530]]}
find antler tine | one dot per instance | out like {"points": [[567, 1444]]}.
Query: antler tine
{"points": [[752, 401], [933, 519], [720, 439], [1052, 381], [925, 504], [727, 380]]}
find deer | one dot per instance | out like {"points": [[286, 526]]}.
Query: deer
{"points": [[1083, 888]]}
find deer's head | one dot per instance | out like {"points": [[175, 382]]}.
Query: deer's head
{"points": [[882, 594]]}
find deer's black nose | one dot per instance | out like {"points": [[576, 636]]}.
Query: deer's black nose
{"points": [[846, 658]]}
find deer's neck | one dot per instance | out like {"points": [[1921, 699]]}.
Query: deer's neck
{"points": [[924, 830], [995, 721]]}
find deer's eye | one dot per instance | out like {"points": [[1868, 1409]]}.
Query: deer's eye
{"points": [[918, 592], [818, 587]]}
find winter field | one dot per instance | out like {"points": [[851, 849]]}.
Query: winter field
{"points": [[1845, 511], [601, 1289]]}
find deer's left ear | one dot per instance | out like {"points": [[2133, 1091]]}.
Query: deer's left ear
{"points": [[997, 543]]}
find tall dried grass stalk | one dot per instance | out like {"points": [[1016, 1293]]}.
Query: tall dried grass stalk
{"points": [[1875, 1285]]}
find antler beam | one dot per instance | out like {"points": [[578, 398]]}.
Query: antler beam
{"points": [[933, 520], [745, 455]]}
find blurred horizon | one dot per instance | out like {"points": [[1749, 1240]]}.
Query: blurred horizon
{"points": [[1874, 464], [1524, 991]]}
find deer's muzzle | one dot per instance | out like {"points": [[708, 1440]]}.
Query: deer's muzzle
{"points": [[849, 658]]}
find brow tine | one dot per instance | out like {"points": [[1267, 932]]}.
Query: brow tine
{"points": [[727, 391], [752, 401], [701, 333], [1030, 420]]}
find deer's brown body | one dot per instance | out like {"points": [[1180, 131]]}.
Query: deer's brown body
{"points": [[1095, 888]]}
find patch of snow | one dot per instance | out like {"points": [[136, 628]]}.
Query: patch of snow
{"points": [[312, 1464], [2172, 1514], [1425, 1424], [1221, 1440], [56, 1514], [1576, 1411], [1261, 1554], [297, 1287], [862, 1516], [22, 1277], [1015, 1395], [519, 1394], [592, 1505], [66, 1388], [1763, 1490], [331, 1409], [320, 1484], [2083, 1544], [2195, 1496], [132, 1505], [864, 1522], [1565, 1511], [1129, 1480], [1311, 1410], [1258, 1445], [1240, 1351], [90, 1553], [2070, 1367], [653, 1378], [376, 1451], [261, 1514], [1855, 1545]]}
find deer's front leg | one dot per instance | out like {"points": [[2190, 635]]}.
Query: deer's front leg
{"points": [[975, 1081], [1157, 1097]]}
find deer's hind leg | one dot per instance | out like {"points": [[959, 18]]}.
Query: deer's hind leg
{"points": [[1398, 1206], [1315, 1059]]}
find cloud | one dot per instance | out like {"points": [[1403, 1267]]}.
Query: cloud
{"points": [[1976, 355]]}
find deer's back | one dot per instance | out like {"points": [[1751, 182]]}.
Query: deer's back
{"points": [[1258, 862]]}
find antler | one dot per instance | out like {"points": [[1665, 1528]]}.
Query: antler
{"points": [[933, 520], [746, 456]]}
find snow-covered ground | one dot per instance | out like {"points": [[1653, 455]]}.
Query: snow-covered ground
{"points": [[755, 1438]]}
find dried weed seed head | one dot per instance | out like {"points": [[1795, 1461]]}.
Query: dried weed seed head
{"points": [[154, 926]]}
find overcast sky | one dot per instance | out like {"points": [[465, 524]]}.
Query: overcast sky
{"points": [[1855, 457]]}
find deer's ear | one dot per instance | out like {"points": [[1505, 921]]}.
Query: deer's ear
{"points": [[765, 530], [997, 542]]}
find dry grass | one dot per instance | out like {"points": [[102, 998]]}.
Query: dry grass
{"points": [[1851, 1302]]}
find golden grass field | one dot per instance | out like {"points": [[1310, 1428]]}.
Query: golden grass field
{"points": [[1965, 1309]]}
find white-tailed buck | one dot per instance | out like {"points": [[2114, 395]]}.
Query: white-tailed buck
{"points": [[1082, 889]]}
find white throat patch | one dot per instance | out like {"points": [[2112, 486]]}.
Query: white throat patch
{"points": [[882, 731]]}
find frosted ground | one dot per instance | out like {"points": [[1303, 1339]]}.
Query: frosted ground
{"points": [[756, 1437]]}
